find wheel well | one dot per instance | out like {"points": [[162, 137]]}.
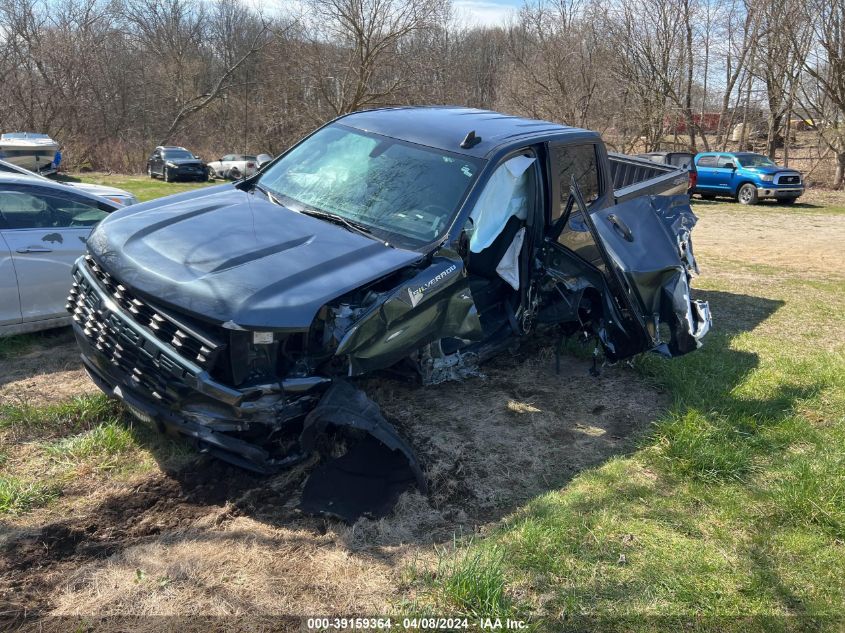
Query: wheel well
{"points": [[742, 184]]}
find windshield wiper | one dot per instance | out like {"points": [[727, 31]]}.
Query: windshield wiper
{"points": [[351, 225], [269, 195], [341, 221]]}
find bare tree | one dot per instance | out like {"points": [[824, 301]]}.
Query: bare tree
{"points": [[355, 58], [110, 78], [176, 34], [738, 35], [549, 62], [782, 46], [823, 91], [649, 61]]}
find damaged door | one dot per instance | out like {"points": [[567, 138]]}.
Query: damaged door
{"points": [[646, 243], [643, 252]]}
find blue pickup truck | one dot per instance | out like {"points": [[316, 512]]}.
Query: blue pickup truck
{"points": [[745, 176]]}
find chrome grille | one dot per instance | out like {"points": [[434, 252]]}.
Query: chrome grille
{"points": [[788, 179], [195, 347], [138, 357]]}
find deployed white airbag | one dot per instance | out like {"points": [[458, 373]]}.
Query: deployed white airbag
{"points": [[508, 268], [505, 195]]}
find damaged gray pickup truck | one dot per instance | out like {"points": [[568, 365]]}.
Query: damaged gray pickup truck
{"points": [[416, 240]]}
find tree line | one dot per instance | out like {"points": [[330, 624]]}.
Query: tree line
{"points": [[113, 78]]}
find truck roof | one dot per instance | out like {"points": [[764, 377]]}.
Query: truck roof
{"points": [[445, 127]]}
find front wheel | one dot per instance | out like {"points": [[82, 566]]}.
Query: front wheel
{"points": [[747, 194], [235, 173]]}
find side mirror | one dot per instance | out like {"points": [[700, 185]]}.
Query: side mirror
{"points": [[730, 166]]}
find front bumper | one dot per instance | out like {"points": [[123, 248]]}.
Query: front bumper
{"points": [[133, 362], [222, 445], [779, 192], [188, 172], [126, 360]]}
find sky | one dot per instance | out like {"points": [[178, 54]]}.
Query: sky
{"points": [[472, 12], [485, 12]]}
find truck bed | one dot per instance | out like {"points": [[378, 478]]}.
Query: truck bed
{"points": [[634, 177]]}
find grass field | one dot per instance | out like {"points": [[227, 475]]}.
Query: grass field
{"points": [[144, 187], [711, 498], [734, 504]]}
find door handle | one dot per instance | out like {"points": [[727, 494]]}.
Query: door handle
{"points": [[35, 249], [620, 227]]}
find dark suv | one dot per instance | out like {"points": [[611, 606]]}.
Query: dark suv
{"points": [[176, 163]]}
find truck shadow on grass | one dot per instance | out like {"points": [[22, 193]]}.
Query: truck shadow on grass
{"points": [[717, 435], [488, 446]]}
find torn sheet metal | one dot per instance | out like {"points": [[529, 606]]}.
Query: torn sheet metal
{"points": [[677, 216], [345, 406], [436, 303], [656, 271]]}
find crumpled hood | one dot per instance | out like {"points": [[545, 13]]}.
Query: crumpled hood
{"points": [[234, 256]]}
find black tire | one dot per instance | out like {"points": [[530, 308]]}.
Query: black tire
{"points": [[747, 194], [235, 173], [707, 196]]}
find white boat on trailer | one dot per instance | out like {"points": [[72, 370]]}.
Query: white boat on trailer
{"points": [[32, 151]]}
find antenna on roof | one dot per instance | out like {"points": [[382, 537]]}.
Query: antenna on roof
{"points": [[470, 140]]}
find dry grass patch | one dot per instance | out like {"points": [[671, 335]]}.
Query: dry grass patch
{"points": [[48, 371], [209, 538]]}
